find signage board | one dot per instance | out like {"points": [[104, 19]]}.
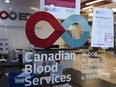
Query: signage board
{"points": [[61, 9], [102, 28], [11, 15]]}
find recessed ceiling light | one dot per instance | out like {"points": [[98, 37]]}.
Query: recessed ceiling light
{"points": [[10, 8], [89, 10], [90, 14], [87, 7], [52, 5], [114, 9], [92, 2], [7, 1], [34, 8], [89, 19]]}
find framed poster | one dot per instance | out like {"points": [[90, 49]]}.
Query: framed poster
{"points": [[61, 9]]}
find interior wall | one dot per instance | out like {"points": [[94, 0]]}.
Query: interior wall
{"points": [[16, 37]]}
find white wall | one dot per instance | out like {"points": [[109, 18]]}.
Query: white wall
{"points": [[16, 37]]}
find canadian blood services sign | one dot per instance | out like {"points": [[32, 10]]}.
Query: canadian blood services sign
{"points": [[59, 30]]}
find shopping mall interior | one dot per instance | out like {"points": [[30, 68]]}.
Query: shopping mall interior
{"points": [[89, 66]]}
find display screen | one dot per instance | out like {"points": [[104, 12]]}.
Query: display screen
{"points": [[61, 3]]}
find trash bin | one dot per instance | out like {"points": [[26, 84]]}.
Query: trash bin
{"points": [[18, 79]]}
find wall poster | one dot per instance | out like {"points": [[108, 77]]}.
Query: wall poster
{"points": [[102, 28], [61, 9]]}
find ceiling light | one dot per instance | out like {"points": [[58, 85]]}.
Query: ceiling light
{"points": [[90, 14], [89, 3], [10, 8], [34, 8], [89, 19], [114, 9], [89, 10], [52, 5], [88, 7], [7, 1]]}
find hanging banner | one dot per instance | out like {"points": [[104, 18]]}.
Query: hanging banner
{"points": [[102, 28], [61, 9]]}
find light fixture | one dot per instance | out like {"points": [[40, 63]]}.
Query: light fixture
{"points": [[89, 10], [52, 5], [89, 19], [92, 2], [114, 9], [10, 8], [87, 7], [7, 1], [90, 14], [34, 8]]}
